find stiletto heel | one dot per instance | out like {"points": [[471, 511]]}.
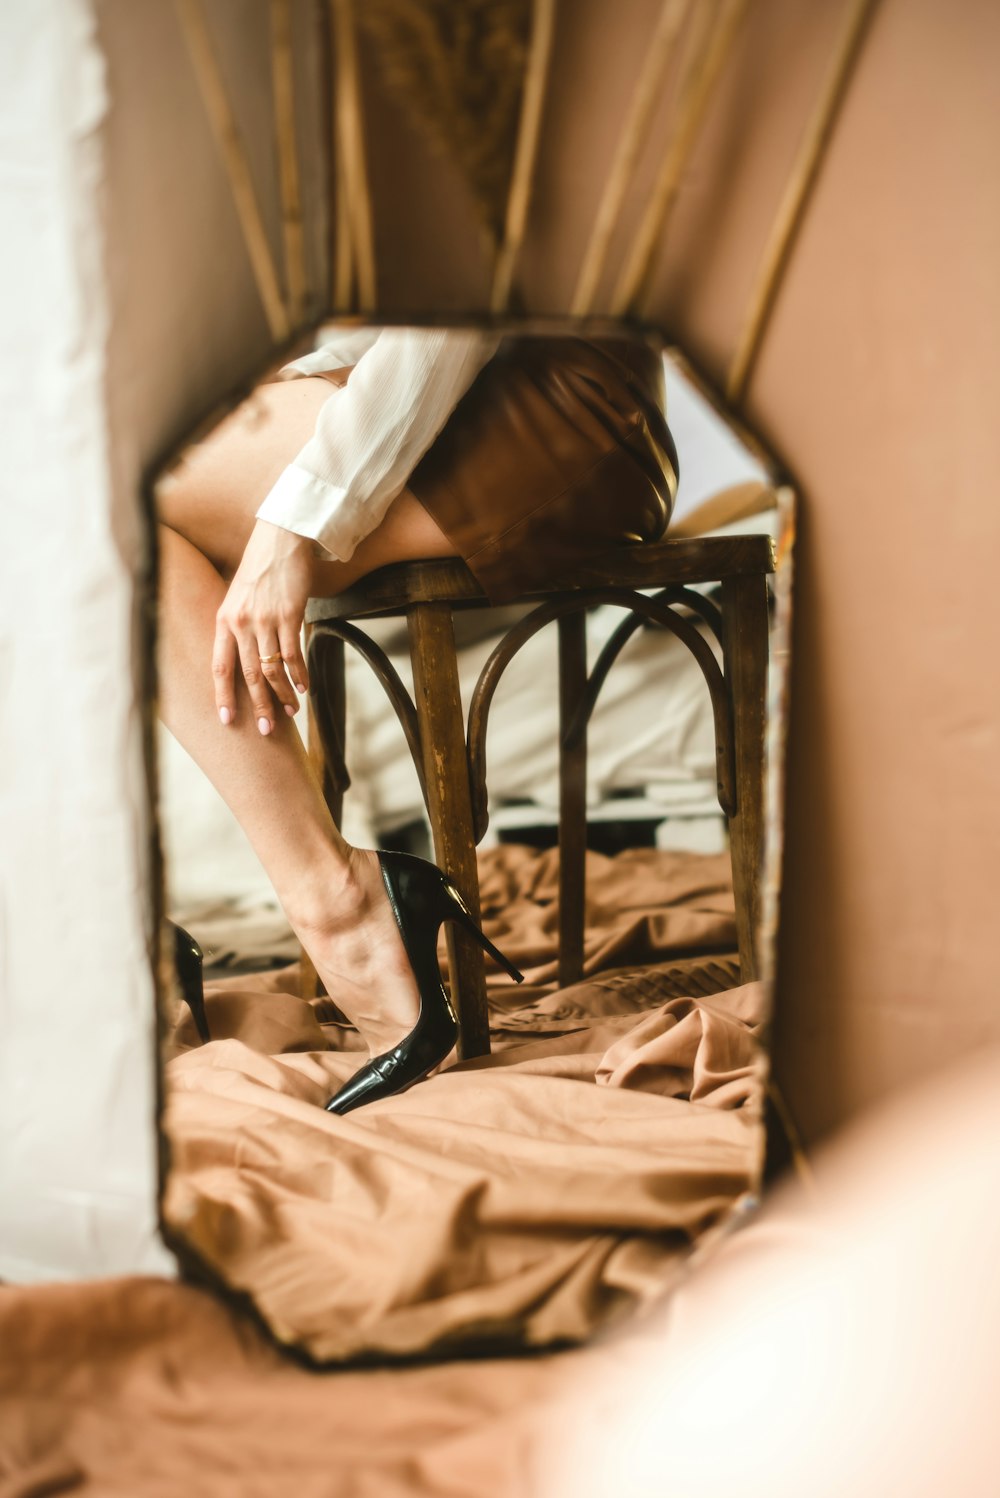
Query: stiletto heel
{"points": [[422, 898], [188, 958], [464, 917]]}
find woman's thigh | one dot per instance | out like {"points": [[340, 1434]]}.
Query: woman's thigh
{"points": [[211, 495]]}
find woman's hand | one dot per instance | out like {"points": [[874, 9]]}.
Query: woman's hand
{"points": [[259, 622]]}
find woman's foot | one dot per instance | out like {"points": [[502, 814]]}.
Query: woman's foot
{"points": [[359, 955]]}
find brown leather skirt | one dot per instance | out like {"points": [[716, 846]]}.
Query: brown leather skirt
{"points": [[559, 450]]}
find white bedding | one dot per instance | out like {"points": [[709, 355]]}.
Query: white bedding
{"points": [[651, 732]]}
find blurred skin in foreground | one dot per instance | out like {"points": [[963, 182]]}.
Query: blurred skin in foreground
{"points": [[848, 1342]]}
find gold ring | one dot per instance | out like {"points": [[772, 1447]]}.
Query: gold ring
{"points": [[270, 660]]}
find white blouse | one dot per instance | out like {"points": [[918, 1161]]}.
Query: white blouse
{"points": [[372, 432]]}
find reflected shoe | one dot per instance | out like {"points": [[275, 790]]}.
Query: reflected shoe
{"points": [[188, 958], [422, 898]]}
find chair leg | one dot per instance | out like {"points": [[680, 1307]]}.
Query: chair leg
{"points": [[449, 802], [327, 723], [572, 798], [745, 649]]}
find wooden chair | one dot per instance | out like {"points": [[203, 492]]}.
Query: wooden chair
{"points": [[450, 756]]}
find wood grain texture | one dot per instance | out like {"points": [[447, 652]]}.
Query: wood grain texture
{"points": [[572, 797], [236, 163], [442, 735], [326, 731], [289, 177], [744, 618], [391, 590]]}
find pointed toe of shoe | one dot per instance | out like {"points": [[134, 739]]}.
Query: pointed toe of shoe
{"points": [[396, 1070]]}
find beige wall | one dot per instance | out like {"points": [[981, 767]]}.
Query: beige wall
{"points": [[880, 383], [187, 321]]}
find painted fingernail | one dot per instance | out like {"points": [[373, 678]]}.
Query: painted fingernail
{"points": [[225, 716], [264, 724], [299, 687], [290, 710]]}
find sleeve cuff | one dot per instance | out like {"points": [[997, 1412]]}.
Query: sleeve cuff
{"points": [[341, 350], [302, 503]]}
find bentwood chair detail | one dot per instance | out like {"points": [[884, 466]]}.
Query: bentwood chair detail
{"points": [[656, 585]]}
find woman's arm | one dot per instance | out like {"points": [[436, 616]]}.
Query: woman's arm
{"points": [[341, 350], [370, 435]]}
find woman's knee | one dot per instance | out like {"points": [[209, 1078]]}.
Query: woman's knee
{"points": [[212, 491], [407, 533], [172, 499]]}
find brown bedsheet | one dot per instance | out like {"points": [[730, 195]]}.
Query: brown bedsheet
{"points": [[141, 1388], [518, 1201], [855, 1295]]}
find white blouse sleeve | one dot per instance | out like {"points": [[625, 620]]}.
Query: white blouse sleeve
{"points": [[372, 432]]}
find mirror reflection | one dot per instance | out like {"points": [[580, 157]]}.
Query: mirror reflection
{"points": [[463, 1049]]}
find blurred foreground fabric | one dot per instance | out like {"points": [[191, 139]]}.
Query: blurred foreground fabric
{"points": [[842, 1342]]}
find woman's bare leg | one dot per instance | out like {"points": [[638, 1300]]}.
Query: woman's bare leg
{"points": [[332, 894]]}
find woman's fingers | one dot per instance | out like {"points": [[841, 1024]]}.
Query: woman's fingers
{"points": [[224, 673], [273, 666], [291, 649], [260, 617], [263, 672], [261, 701]]}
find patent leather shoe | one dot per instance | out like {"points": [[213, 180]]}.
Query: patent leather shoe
{"points": [[422, 898]]}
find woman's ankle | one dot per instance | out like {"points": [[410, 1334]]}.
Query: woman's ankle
{"points": [[334, 899], [358, 951]]}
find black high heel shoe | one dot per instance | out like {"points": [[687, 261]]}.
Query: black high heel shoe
{"points": [[188, 958], [421, 898]]}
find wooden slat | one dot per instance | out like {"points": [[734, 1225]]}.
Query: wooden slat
{"points": [[649, 89], [634, 282], [703, 559], [572, 797], [438, 701], [283, 79], [326, 734], [350, 143], [234, 160], [526, 151], [745, 649], [793, 202]]}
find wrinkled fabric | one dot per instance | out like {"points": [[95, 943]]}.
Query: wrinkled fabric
{"points": [[517, 1200], [508, 1201], [643, 906], [141, 1388]]}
